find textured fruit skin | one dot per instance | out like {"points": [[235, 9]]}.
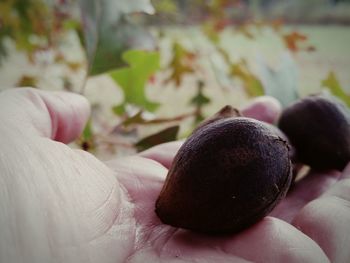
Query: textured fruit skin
{"points": [[319, 128], [227, 175]]}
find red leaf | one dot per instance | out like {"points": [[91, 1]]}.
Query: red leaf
{"points": [[294, 40]]}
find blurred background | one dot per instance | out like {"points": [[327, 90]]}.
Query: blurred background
{"points": [[153, 69]]}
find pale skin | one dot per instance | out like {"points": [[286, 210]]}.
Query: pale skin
{"points": [[59, 204]]}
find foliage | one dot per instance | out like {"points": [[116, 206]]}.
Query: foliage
{"points": [[27, 81], [294, 41], [251, 83], [132, 79], [333, 85], [118, 43], [90, 14], [180, 63], [33, 25], [108, 32], [86, 140], [163, 136], [199, 101]]}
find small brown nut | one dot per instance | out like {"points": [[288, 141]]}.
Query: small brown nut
{"points": [[228, 174], [319, 128]]}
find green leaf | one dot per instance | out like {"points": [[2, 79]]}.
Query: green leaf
{"points": [[200, 99], [166, 135], [251, 83], [135, 119], [332, 83], [180, 64], [23, 19], [71, 24], [165, 6], [91, 14], [86, 140], [27, 81], [133, 79], [113, 40], [87, 132], [212, 34], [107, 33], [119, 109]]}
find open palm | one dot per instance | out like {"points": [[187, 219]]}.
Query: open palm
{"points": [[63, 205]]}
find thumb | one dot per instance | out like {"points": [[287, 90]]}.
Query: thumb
{"points": [[58, 115]]}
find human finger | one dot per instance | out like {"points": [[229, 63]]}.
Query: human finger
{"points": [[326, 219], [264, 108], [304, 191], [58, 115], [163, 153]]}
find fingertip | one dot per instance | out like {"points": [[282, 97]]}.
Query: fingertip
{"points": [[264, 108], [163, 153], [69, 113], [57, 115], [346, 172]]}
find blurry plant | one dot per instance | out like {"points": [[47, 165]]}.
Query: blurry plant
{"points": [[280, 82], [294, 42], [180, 64], [251, 83], [163, 136], [118, 43], [333, 85], [109, 30], [221, 15], [133, 78], [34, 26], [199, 101]]}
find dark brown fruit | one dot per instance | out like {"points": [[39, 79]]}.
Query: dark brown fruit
{"points": [[319, 129], [229, 174]]}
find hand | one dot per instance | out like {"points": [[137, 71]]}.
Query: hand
{"points": [[58, 204]]}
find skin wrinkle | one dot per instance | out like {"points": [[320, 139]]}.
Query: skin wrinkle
{"points": [[138, 227], [197, 242], [317, 214], [14, 216], [344, 247], [128, 205], [273, 231], [156, 244], [91, 184], [58, 131], [139, 242], [340, 190], [54, 122], [34, 108], [126, 212], [304, 191], [109, 197], [340, 200], [136, 254], [161, 245], [118, 218], [197, 245], [146, 233], [46, 167]]}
